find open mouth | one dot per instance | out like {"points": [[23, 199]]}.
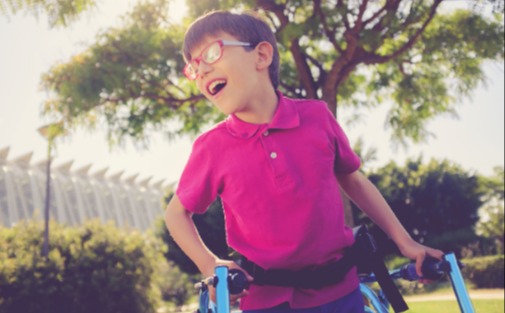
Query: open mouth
{"points": [[216, 86]]}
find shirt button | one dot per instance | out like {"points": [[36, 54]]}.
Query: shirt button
{"points": [[266, 133], [273, 155]]}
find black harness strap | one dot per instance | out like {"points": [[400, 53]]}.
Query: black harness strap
{"points": [[315, 278], [363, 253], [366, 254], [387, 285]]}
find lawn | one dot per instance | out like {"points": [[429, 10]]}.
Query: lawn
{"points": [[480, 305]]}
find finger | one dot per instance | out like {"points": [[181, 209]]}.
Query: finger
{"points": [[234, 298], [419, 264], [438, 254], [435, 253], [212, 294], [249, 277], [209, 281], [240, 295]]}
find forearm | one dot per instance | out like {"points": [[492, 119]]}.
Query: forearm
{"points": [[368, 198], [182, 229]]}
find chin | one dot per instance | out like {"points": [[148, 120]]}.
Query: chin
{"points": [[226, 109]]}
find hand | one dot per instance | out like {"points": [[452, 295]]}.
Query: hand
{"points": [[231, 265], [418, 252]]}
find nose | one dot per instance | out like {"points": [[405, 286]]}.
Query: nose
{"points": [[203, 69]]}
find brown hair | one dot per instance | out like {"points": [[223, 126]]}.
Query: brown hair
{"points": [[248, 27]]}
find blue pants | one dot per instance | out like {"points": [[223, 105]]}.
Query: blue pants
{"points": [[352, 303]]}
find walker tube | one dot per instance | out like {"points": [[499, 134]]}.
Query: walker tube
{"points": [[373, 298], [458, 285], [222, 293]]}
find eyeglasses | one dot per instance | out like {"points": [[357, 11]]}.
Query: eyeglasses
{"points": [[210, 55]]}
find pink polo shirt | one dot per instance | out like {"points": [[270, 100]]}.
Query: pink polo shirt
{"points": [[280, 195]]}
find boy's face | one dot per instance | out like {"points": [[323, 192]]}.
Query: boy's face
{"points": [[232, 81]]}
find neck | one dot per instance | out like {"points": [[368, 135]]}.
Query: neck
{"points": [[261, 109]]}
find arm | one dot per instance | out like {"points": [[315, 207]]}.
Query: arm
{"points": [[183, 230], [368, 198]]}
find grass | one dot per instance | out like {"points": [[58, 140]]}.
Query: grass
{"points": [[484, 305], [480, 305]]}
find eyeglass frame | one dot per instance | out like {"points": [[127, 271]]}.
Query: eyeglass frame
{"points": [[199, 59]]}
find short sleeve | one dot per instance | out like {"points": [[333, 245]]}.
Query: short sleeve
{"points": [[197, 187], [346, 160]]}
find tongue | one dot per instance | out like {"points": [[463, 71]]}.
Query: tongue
{"points": [[218, 88]]}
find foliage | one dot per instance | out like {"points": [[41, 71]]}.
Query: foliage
{"points": [[366, 155], [485, 272], [430, 200], [132, 71], [446, 53], [59, 13], [497, 6], [344, 52], [491, 214], [464, 243], [175, 286], [210, 227], [91, 268]]}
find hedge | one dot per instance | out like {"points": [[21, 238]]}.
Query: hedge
{"points": [[90, 268], [485, 272]]}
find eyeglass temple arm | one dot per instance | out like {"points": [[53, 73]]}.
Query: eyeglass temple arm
{"points": [[235, 43]]}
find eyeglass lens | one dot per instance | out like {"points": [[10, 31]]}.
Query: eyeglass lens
{"points": [[210, 55]]}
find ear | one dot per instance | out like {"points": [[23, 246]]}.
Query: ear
{"points": [[265, 53]]}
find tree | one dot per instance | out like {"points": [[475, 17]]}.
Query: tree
{"points": [[349, 53], [345, 52], [491, 214], [59, 13], [433, 200]]}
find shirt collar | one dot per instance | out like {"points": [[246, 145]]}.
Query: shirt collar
{"points": [[286, 116]]}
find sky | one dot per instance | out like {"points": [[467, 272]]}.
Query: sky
{"points": [[28, 48]]}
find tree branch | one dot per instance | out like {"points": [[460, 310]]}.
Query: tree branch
{"points": [[303, 68], [305, 75], [359, 23], [391, 5], [377, 59], [330, 34], [171, 102], [341, 5], [315, 62]]}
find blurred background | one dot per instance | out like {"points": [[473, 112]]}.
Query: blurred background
{"points": [[96, 87]]}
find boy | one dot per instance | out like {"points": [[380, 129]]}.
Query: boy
{"points": [[277, 164]]}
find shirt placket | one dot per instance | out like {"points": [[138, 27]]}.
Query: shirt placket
{"points": [[276, 158]]}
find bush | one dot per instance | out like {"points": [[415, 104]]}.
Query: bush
{"points": [[91, 268], [485, 272], [176, 286]]}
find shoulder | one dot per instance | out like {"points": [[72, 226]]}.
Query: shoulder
{"points": [[309, 106], [211, 136], [310, 109]]}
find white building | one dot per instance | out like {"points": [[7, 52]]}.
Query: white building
{"points": [[76, 195]]}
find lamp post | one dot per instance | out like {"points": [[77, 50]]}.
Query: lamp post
{"points": [[49, 132]]}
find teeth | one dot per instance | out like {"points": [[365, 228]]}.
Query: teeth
{"points": [[212, 86]]}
